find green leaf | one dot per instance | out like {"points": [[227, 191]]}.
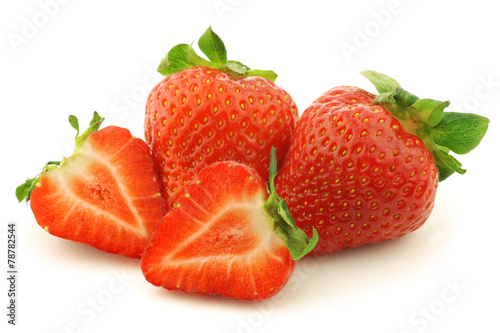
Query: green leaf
{"points": [[183, 56], [176, 60], [429, 111], [444, 172], [213, 47], [405, 98], [266, 74], [382, 82], [284, 212], [441, 131], [446, 164], [195, 60], [312, 243], [94, 125], [23, 191], [283, 223], [460, 132], [237, 67], [297, 241], [385, 99], [273, 169], [73, 121]]}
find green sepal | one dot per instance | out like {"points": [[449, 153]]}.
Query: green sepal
{"points": [[236, 68], [382, 82], [446, 164], [270, 75], [94, 125], [73, 121], [176, 60], [23, 191], [273, 171], [441, 131], [285, 213], [297, 241], [212, 46], [183, 56], [460, 132], [284, 225], [429, 111]]}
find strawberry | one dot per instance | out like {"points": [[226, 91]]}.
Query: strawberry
{"points": [[105, 195], [211, 111], [225, 236], [364, 169]]}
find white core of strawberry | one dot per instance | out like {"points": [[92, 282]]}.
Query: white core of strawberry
{"points": [[257, 225], [77, 166]]}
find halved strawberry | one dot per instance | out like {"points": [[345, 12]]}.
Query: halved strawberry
{"points": [[106, 194], [226, 237]]}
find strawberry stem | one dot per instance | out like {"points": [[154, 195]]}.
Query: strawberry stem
{"points": [[23, 191], [283, 223], [440, 131], [94, 125], [183, 56]]}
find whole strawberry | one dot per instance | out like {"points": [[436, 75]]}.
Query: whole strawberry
{"points": [[211, 111], [364, 169]]}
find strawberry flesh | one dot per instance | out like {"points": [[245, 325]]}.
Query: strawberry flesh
{"points": [[219, 239], [105, 196]]}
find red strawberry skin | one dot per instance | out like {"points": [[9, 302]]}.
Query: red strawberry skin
{"points": [[218, 239], [354, 174], [105, 196], [201, 116]]}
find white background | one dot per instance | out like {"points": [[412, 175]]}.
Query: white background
{"points": [[79, 56]]}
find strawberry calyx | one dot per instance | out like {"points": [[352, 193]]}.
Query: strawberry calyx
{"points": [[283, 224], [442, 132], [94, 125], [23, 191], [183, 56]]}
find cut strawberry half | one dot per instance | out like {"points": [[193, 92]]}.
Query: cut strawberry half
{"points": [[105, 195], [227, 236]]}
